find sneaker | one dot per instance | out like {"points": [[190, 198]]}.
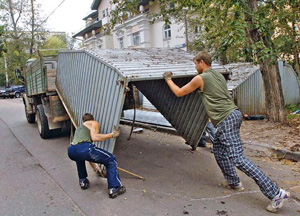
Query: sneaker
{"points": [[239, 186], [114, 192], [84, 184], [202, 143], [278, 201]]}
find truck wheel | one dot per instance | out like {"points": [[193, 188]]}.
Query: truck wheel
{"points": [[30, 117], [42, 122], [17, 95]]}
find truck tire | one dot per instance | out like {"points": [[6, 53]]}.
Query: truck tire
{"points": [[42, 122], [30, 117]]}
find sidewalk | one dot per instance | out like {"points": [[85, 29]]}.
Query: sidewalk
{"points": [[26, 188], [157, 121]]}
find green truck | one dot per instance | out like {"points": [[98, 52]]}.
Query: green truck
{"points": [[42, 103]]}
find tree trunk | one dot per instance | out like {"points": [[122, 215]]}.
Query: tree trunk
{"points": [[32, 29], [274, 100], [15, 35], [296, 50], [297, 64]]}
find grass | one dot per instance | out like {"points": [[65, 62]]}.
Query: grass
{"points": [[290, 108]]}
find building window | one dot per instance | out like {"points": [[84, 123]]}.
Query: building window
{"points": [[136, 39], [167, 32], [105, 13], [121, 43], [198, 29]]}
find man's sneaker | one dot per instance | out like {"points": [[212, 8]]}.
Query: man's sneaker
{"points": [[238, 186], [202, 143], [278, 201], [114, 192], [84, 184]]}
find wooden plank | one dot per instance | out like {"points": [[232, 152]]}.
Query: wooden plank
{"points": [[51, 84], [57, 110], [51, 73], [51, 77]]}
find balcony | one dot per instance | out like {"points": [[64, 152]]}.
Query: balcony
{"points": [[89, 28]]}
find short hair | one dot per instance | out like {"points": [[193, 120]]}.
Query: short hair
{"points": [[206, 57], [87, 117]]}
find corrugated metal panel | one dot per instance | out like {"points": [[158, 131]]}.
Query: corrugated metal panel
{"points": [[290, 84], [249, 96], [186, 114], [86, 84], [150, 64]]}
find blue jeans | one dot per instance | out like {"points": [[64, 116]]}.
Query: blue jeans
{"points": [[211, 130], [89, 152]]}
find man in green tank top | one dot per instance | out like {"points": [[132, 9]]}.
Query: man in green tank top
{"points": [[227, 119], [82, 149]]}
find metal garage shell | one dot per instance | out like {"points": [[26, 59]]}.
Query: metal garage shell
{"points": [[96, 82], [248, 88]]}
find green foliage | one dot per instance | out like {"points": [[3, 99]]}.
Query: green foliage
{"points": [[53, 44], [2, 45], [292, 107], [229, 26], [2, 79]]}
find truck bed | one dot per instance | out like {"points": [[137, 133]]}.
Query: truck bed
{"points": [[39, 78]]}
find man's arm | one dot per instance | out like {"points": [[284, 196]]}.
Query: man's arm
{"points": [[196, 82], [96, 136]]}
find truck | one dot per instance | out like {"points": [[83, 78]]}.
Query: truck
{"points": [[41, 101]]}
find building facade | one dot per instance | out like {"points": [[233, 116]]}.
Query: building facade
{"points": [[135, 32]]}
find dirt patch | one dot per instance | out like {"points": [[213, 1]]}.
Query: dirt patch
{"points": [[274, 134]]}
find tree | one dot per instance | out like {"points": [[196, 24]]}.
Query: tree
{"points": [[54, 44], [245, 30], [13, 14], [287, 37], [24, 27], [2, 45], [33, 24]]}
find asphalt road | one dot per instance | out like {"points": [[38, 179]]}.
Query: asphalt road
{"points": [[38, 178]]}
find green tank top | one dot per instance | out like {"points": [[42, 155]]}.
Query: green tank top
{"points": [[215, 96], [82, 134]]}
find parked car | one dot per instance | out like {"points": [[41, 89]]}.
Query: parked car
{"points": [[3, 93], [15, 91]]}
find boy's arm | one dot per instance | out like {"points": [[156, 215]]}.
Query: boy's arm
{"points": [[196, 82]]}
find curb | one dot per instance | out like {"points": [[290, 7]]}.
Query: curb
{"points": [[286, 154], [281, 153]]}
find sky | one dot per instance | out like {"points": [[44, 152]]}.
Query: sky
{"points": [[68, 17]]}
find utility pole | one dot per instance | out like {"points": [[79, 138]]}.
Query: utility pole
{"points": [[6, 73]]}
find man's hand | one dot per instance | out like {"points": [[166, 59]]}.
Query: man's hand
{"points": [[168, 75], [115, 132]]}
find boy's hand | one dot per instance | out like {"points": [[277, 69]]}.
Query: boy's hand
{"points": [[168, 75], [115, 132]]}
